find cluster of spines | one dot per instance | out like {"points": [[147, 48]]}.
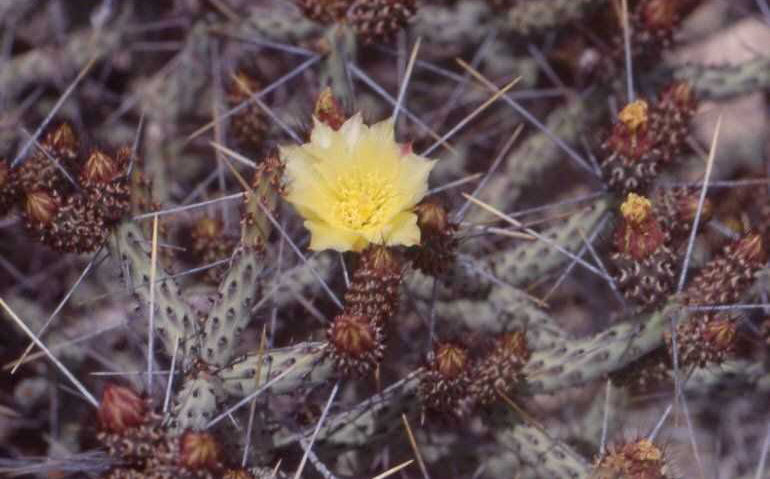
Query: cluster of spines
{"points": [[709, 337], [356, 335], [372, 20], [436, 252], [68, 200], [647, 138], [141, 447], [455, 383], [643, 263], [640, 459]]}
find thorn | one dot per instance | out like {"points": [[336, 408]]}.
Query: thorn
{"points": [[48, 353]]}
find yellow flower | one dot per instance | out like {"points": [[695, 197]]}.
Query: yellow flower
{"points": [[356, 186]]}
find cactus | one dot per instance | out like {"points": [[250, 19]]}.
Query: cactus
{"points": [[371, 306]]}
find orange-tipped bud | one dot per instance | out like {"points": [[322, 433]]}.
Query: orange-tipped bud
{"points": [[199, 450], [100, 168], [450, 359], [353, 335], [121, 409], [41, 206]]}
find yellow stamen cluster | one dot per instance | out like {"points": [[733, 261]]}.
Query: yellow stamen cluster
{"points": [[634, 115], [636, 208]]}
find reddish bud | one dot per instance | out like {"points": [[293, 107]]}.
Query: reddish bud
{"points": [[639, 234], [450, 359], [121, 408], [41, 206], [62, 141], [199, 450], [100, 168], [352, 335]]}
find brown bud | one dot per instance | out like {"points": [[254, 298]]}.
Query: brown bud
{"points": [[62, 142], [99, 168], [639, 234], [121, 409], [352, 335], [432, 217], [328, 109], [450, 359], [41, 206], [199, 450]]}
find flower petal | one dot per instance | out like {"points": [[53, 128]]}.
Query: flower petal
{"points": [[413, 179], [323, 236], [352, 129], [322, 134], [403, 230]]}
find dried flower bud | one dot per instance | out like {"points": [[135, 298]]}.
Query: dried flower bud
{"points": [[639, 234], [352, 335], [121, 409], [41, 206], [62, 142], [501, 369], [450, 359], [356, 344], [637, 460], [199, 450], [99, 168], [431, 217], [445, 387], [328, 109]]}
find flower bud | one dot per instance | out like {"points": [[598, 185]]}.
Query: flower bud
{"points": [[121, 409]]}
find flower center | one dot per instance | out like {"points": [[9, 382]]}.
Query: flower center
{"points": [[362, 199]]}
